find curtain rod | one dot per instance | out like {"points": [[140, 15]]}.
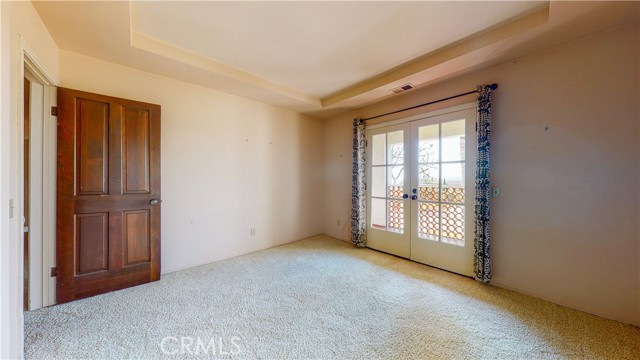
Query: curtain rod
{"points": [[493, 87]]}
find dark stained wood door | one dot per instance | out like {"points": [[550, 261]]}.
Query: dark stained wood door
{"points": [[108, 207]]}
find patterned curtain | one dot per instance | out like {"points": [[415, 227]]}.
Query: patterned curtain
{"points": [[482, 259], [358, 186]]}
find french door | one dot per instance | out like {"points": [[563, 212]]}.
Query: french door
{"points": [[420, 179]]}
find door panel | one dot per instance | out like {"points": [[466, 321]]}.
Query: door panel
{"points": [[92, 243], [108, 232], [135, 135], [92, 129], [136, 236]]}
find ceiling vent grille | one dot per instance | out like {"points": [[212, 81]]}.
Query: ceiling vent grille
{"points": [[402, 88]]}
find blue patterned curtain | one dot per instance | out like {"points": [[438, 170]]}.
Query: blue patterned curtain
{"points": [[358, 186], [482, 260]]}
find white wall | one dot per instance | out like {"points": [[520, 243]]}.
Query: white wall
{"points": [[566, 227], [22, 30], [228, 164]]}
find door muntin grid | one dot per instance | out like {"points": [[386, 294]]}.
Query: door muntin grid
{"points": [[387, 182], [441, 182]]}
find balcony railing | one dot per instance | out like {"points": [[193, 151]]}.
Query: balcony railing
{"points": [[430, 227]]}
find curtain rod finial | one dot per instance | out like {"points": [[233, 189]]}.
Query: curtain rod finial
{"points": [[494, 86]]}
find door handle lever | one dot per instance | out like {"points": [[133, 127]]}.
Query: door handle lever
{"points": [[155, 202]]}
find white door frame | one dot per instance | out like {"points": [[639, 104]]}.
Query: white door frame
{"points": [[42, 181], [409, 124], [425, 115]]}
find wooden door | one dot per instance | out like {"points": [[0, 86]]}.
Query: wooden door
{"points": [[108, 206]]}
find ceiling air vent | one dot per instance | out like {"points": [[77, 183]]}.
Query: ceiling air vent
{"points": [[402, 88]]}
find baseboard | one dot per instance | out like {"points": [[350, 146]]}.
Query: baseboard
{"points": [[565, 304], [214, 259]]}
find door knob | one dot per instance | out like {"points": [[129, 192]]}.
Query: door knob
{"points": [[414, 191], [405, 196], [155, 202], [414, 197]]}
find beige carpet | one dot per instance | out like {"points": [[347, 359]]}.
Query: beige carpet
{"points": [[321, 298]]}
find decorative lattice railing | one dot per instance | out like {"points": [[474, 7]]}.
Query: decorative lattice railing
{"points": [[431, 223]]}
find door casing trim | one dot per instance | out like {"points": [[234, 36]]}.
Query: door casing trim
{"points": [[22, 57], [425, 115], [406, 125]]}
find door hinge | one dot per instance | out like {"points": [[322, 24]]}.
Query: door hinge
{"points": [[54, 111], [25, 229], [54, 272]]}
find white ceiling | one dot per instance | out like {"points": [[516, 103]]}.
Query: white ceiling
{"points": [[320, 57], [318, 48]]}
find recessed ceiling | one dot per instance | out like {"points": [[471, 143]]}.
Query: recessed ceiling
{"points": [[318, 48], [320, 57]]}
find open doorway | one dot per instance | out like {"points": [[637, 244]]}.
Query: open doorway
{"points": [[38, 195]]}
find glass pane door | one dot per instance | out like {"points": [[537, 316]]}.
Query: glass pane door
{"points": [[442, 174], [388, 181]]}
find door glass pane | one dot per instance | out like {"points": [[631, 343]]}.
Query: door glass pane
{"points": [[453, 141], [395, 148], [396, 175], [453, 183], [453, 224], [378, 149], [378, 183], [428, 221], [395, 215], [379, 214], [395, 183], [387, 181], [428, 178], [428, 146]]}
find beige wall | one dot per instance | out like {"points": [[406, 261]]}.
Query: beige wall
{"points": [[566, 227], [228, 164], [21, 30]]}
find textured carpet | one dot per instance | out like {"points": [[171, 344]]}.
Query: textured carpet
{"points": [[321, 298]]}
